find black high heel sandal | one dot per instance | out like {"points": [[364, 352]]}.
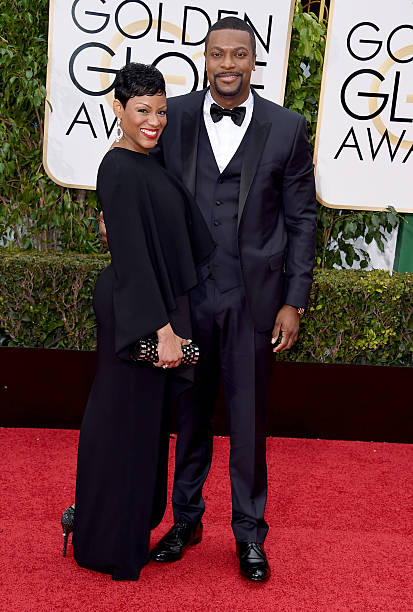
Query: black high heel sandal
{"points": [[67, 522]]}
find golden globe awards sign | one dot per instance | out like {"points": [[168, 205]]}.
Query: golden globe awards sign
{"points": [[89, 40], [364, 145]]}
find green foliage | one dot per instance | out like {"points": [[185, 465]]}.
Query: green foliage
{"points": [[335, 227], [353, 317], [307, 48], [46, 299], [34, 211], [358, 317], [338, 231]]}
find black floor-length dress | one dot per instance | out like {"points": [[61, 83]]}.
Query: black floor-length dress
{"points": [[156, 236]]}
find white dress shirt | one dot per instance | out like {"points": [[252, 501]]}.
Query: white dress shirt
{"points": [[225, 136]]}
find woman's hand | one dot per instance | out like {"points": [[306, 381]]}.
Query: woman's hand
{"points": [[169, 348], [102, 229]]}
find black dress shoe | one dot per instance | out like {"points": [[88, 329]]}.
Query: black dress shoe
{"points": [[253, 562], [171, 546]]}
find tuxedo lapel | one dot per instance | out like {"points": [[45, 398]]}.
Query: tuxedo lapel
{"points": [[256, 137], [189, 138]]}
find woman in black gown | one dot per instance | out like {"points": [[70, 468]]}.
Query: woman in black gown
{"points": [[156, 236]]}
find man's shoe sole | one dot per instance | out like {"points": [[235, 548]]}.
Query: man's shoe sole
{"points": [[252, 579]]}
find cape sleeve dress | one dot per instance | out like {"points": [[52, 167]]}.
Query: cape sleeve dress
{"points": [[156, 237]]}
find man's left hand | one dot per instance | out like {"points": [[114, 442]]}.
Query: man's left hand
{"points": [[286, 323]]}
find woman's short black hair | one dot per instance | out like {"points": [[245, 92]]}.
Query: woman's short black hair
{"points": [[233, 23], [138, 80]]}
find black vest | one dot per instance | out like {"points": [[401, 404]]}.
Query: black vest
{"points": [[217, 196]]}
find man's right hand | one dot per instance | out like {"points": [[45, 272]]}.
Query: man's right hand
{"points": [[102, 229]]}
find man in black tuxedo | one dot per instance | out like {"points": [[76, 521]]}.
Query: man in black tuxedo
{"points": [[247, 161]]}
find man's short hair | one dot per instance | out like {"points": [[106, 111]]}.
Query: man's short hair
{"points": [[233, 23]]}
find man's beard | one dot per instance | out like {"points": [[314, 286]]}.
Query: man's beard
{"points": [[228, 94]]}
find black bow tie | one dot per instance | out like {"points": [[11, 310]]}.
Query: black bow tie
{"points": [[237, 114]]}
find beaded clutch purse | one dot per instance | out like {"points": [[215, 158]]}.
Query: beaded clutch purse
{"points": [[146, 349]]}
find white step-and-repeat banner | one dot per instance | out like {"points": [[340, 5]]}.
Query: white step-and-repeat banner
{"points": [[89, 40], [364, 146]]}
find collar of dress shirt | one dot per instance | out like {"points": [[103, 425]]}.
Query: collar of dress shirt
{"points": [[249, 102]]}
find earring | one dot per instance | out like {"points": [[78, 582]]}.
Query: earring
{"points": [[119, 131]]}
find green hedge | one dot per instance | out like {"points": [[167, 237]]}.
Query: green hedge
{"points": [[46, 299], [353, 317]]}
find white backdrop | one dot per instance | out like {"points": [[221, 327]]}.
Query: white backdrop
{"points": [[366, 161], [90, 39]]}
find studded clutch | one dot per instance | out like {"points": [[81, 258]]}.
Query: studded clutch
{"points": [[146, 349]]}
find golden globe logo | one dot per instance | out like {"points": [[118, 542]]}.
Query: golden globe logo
{"points": [[364, 135], [383, 106]]}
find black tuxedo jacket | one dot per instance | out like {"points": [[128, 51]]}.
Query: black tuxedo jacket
{"points": [[277, 206]]}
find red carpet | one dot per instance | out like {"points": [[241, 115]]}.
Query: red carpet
{"points": [[339, 519]]}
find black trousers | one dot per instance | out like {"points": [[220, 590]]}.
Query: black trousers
{"points": [[232, 349]]}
